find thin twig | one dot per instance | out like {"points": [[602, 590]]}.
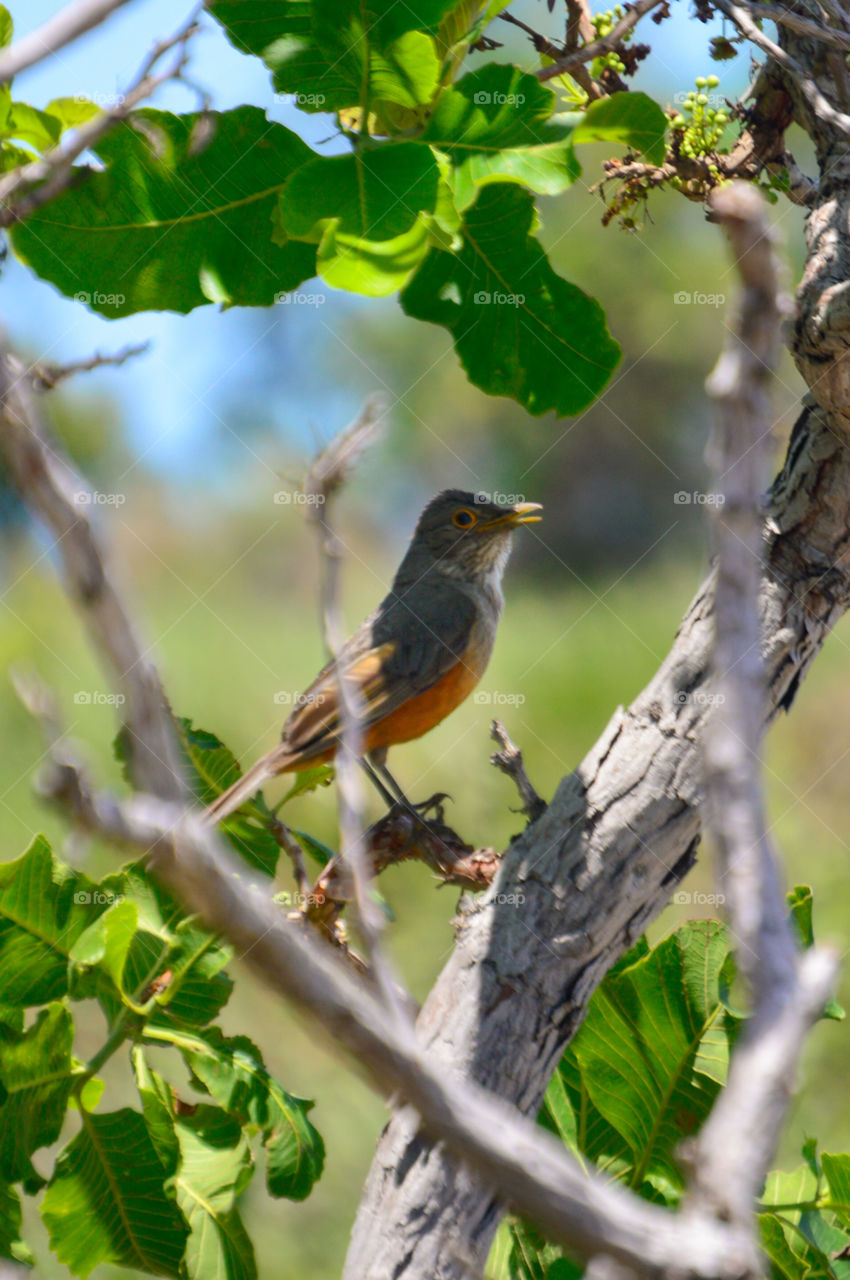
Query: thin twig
{"points": [[45, 376], [796, 22], [738, 1141], [604, 44], [327, 474], [55, 171], [509, 760], [819, 104], [66, 25]]}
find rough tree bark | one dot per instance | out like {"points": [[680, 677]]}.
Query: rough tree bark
{"points": [[623, 829]]}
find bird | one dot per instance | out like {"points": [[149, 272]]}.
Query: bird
{"points": [[417, 656]]}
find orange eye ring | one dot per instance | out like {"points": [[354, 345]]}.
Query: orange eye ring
{"points": [[464, 519]]}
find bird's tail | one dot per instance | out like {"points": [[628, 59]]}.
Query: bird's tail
{"points": [[269, 766]]}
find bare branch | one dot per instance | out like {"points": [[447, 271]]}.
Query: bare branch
{"points": [[67, 25], [605, 44], [737, 1143], [787, 17], [53, 491], [327, 474], [45, 376], [806, 84], [55, 171], [509, 760]]}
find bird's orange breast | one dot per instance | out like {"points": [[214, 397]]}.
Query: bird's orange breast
{"points": [[425, 710]]}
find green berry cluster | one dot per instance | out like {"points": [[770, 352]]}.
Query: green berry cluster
{"points": [[700, 125], [603, 25]]}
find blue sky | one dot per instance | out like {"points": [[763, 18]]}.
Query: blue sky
{"points": [[172, 398]]}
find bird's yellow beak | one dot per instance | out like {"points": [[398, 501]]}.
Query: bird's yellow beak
{"points": [[521, 513]]}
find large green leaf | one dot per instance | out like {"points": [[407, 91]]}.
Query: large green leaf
{"points": [[232, 1071], [215, 1167], [629, 118], [649, 1059], [519, 329], [44, 908], [36, 1077], [368, 212], [347, 52], [181, 216], [106, 1203], [494, 125]]}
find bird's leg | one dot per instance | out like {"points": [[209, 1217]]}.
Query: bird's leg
{"points": [[371, 773], [378, 763]]}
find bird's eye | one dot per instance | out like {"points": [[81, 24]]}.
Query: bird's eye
{"points": [[464, 519]]}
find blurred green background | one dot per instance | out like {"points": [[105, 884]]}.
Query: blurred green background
{"points": [[194, 441]]}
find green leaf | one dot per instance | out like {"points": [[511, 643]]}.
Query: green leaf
{"points": [[519, 329], [211, 768], [106, 942], [36, 1077], [332, 53], [7, 27], [651, 1056], [232, 1071], [520, 1252], [632, 119], [316, 848], [28, 124], [786, 1263], [184, 201], [320, 775], [155, 1097], [11, 1244], [198, 989], [215, 1167], [800, 903], [72, 112], [106, 1203], [836, 1170], [368, 212], [44, 908], [494, 125]]}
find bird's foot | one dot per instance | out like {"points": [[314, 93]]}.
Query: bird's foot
{"points": [[434, 804]]}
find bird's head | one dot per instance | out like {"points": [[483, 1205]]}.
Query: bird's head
{"points": [[466, 535]]}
